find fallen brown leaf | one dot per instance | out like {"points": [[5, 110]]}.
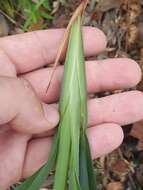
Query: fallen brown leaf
{"points": [[133, 13], [120, 167], [137, 132]]}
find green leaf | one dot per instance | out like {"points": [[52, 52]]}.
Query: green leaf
{"points": [[74, 181], [90, 168], [84, 181], [70, 152], [70, 110], [36, 180], [87, 172], [38, 4], [46, 4], [7, 7], [63, 156], [46, 15]]}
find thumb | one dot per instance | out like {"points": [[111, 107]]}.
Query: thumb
{"points": [[21, 108]]}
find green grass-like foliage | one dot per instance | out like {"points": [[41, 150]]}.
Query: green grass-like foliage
{"points": [[8, 7], [70, 153], [33, 12], [29, 11]]}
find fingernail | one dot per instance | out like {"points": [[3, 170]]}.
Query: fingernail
{"points": [[51, 114]]}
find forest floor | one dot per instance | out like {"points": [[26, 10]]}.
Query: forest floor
{"points": [[122, 22]]}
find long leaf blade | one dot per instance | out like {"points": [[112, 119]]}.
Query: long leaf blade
{"points": [[70, 105], [36, 180]]}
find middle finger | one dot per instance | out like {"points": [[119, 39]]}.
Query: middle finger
{"points": [[122, 109], [105, 75]]}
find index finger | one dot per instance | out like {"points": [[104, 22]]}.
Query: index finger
{"points": [[33, 50]]}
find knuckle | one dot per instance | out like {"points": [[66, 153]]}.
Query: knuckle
{"points": [[26, 86]]}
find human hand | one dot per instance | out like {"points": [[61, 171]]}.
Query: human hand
{"points": [[27, 123]]}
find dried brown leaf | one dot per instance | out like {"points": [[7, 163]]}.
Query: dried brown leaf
{"points": [[63, 46], [133, 13], [120, 167], [137, 132]]}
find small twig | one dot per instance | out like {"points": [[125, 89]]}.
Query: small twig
{"points": [[62, 48]]}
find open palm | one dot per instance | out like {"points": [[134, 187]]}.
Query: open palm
{"points": [[28, 115]]}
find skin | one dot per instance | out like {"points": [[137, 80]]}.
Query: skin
{"points": [[28, 115]]}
